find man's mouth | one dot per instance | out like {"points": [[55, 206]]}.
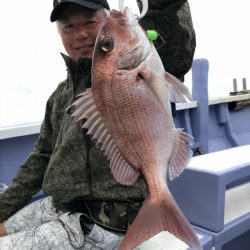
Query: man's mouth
{"points": [[84, 48]]}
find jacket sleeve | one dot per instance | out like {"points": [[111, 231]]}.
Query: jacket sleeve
{"points": [[29, 177], [172, 20]]}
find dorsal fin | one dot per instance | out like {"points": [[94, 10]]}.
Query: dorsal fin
{"points": [[85, 107]]}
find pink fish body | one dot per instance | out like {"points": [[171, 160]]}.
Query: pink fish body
{"points": [[128, 112]]}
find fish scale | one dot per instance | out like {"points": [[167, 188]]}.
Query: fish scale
{"points": [[142, 131]]}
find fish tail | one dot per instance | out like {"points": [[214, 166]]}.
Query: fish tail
{"points": [[156, 216]]}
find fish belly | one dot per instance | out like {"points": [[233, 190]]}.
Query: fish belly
{"points": [[137, 121]]}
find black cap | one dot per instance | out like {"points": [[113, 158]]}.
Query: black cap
{"points": [[91, 4]]}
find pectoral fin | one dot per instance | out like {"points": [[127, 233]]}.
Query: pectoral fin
{"points": [[165, 88], [178, 91]]}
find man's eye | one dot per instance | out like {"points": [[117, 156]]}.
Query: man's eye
{"points": [[90, 22], [69, 27]]}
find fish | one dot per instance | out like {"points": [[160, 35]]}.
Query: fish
{"points": [[127, 111]]}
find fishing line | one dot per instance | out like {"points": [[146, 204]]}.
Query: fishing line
{"points": [[153, 36]]}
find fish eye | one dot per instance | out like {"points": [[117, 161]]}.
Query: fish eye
{"points": [[107, 44]]}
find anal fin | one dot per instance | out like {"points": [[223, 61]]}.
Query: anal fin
{"points": [[181, 154]]}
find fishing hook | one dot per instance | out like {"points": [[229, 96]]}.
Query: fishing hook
{"points": [[144, 8]]}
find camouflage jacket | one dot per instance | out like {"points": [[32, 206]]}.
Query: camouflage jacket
{"points": [[58, 164]]}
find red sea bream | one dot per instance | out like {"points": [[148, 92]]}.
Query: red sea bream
{"points": [[128, 112]]}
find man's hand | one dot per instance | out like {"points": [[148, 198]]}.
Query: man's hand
{"points": [[2, 230]]}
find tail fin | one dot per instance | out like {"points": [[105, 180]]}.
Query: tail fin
{"points": [[156, 216]]}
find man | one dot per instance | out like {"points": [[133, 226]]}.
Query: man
{"points": [[85, 208]]}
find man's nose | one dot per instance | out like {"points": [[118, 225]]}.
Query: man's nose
{"points": [[81, 33]]}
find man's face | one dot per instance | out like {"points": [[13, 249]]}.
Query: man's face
{"points": [[78, 27]]}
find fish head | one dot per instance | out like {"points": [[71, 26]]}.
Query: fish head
{"points": [[121, 43]]}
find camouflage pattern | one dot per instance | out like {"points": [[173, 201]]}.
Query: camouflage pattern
{"points": [[172, 20], [118, 215], [58, 162]]}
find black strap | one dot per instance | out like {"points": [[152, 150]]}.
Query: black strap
{"points": [[105, 227], [88, 146]]}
